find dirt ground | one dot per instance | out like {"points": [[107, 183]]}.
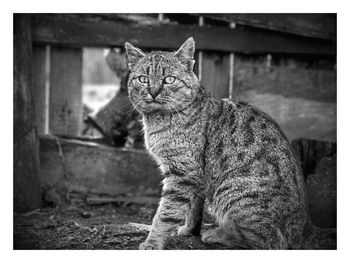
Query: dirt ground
{"points": [[96, 227], [102, 227]]}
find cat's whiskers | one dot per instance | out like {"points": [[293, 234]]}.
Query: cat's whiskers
{"points": [[168, 107], [133, 109], [130, 111], [171, 100], [172, 107]]}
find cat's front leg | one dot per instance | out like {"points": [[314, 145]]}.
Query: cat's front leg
{"points": [[177, 194], [194, 217], [170, 214]]}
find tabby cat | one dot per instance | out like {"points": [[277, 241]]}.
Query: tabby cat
{"points": [[117, 120], [233, 155]]}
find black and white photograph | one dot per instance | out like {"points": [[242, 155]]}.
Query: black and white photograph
{"points": [[175, 131]]}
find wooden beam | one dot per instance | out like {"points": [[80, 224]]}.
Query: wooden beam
{"points": [[27, 195], [97, 168], [316, 25], [66, 108], [68, 31]]}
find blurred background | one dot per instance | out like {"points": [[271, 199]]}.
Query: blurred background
{"points": [[100, 83]]}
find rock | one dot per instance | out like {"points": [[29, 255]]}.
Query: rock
{"points": [[322, 193]]}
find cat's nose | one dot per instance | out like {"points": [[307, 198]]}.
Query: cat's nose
{"points": [[154, 92]]}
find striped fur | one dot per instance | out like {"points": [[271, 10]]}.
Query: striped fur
{"points": [[233, 155]]}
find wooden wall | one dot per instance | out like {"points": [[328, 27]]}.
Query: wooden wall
{"points": [[27, 191], [215, 73], [66, 107], [86, 168], [299, 94], [230, 60]]}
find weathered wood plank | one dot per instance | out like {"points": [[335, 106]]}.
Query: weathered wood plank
{"points": [[63, 30], [310, 25], [66, 108], [297, 94], [216, 73], [96, 168], [39, 69], [27, 195]]}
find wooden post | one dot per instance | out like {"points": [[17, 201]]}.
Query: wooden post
{"points": [[27, 195], [231, 89], [214, 71], [66, 106], [39, 85], [200, 54]]}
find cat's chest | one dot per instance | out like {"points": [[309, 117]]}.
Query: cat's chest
{"points": [[164, 142], [159, 140]]}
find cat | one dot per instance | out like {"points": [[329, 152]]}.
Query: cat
{"points": [[125, 119], [117, 120], [233, 155]]}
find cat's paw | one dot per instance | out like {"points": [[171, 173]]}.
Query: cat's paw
{"points": [[210, 236], [215, 235], [151, 245], [184, 231]]}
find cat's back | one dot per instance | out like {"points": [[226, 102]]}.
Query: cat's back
{"points": [[242, 126], [248, 146], [254, 170]]}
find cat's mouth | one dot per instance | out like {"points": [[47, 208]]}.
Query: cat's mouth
{"points": [[154, 101]]}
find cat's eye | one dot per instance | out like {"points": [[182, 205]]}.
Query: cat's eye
{"points": [[169, 80], [143, 79]]}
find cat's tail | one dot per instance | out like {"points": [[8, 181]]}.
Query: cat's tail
{"points": [[321, 238]]}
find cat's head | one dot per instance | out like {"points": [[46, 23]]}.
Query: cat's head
{"points": [[162, 81]]}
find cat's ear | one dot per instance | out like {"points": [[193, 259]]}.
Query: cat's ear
{"points": [[186, 52], [134, 55]]}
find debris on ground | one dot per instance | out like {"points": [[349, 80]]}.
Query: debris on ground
{"points": [[93, 227], [102, 227]]}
